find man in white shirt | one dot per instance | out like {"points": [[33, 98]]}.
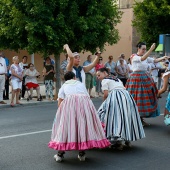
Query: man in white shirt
{"points": [[3, 73], [121, 56], [154, 72]]}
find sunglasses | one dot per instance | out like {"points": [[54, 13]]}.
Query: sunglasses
{"points": [[100, 59]]}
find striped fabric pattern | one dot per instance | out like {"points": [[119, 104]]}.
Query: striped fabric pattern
{"points": [[143, 89], [77, 125], [120, 115]]}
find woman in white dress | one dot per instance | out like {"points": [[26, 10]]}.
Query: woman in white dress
{"points": [[74, 64], [118, 112], [76, 125], [16, 80]]}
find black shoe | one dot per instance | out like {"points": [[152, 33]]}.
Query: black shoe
{"points": [[39, 99]]}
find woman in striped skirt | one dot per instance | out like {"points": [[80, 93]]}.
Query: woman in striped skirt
{"points": [[118, 112], [76, 125], [141, 85]]}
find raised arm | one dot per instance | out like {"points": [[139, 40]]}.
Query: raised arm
{"points": [[93, 64], [146, 55], [71, 58], [161, 58]]}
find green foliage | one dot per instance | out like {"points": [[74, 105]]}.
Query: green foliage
{"points": [[45, 26], [152, 17]]}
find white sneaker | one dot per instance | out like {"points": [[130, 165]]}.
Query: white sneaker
{"points": [[82, 158], [58, 158]]}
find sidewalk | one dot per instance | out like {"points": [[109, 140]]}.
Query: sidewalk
{"points": [[34, 100], [30, 102]]}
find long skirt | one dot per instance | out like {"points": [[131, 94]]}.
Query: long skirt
{"points": [[120, 115], [167, 106], [77, 125], [144, 91]]}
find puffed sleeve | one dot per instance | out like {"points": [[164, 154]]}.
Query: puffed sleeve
{"points": [[105, 85], [150, 60], [135, 58], [61, 93]]}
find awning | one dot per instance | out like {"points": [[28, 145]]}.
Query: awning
{"points": [[159, 47]]}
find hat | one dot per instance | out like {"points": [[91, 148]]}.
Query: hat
{"points": [[76, 54]]}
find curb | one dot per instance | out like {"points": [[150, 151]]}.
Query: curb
{"points": [[28, 104]]}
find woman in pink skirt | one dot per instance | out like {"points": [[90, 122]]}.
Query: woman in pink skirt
{"points": [[76, 125]]}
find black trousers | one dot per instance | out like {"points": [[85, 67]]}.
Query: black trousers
{"points": [[6, 90], [23, 88]]}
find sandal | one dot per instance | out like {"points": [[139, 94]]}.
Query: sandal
{"points": [[12, 105]]}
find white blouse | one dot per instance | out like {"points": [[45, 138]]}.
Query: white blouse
{"points": [[31, 76], [138, 65], [72, 87], [165, 74], [109, 84]]}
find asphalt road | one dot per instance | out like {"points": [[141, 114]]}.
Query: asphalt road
{"points": [[25, 132]]}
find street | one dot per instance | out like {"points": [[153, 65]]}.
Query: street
{"points": [[25, 132]]}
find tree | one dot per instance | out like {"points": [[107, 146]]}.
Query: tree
{"points": [[41, 26], [152, 17]]}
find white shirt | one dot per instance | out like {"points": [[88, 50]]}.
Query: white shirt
{"points": [[118, 62], [165, 74], [31, 78], [138, 65], [3, 67], [155, 71], [108, 84], [72, 87], [130, 68], [22, 65]]}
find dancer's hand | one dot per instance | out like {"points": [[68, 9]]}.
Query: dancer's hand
{"points": [[153, 46], [65, 46], [166, 57]]}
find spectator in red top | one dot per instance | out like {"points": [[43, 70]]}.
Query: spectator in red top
{"points": [[98, 82]]}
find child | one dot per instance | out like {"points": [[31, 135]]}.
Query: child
{"points": [[76, 125], [118, 112], [165, 77]]}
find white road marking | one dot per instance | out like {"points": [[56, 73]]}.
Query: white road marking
{"points": [[32, 133], [24, 134]]}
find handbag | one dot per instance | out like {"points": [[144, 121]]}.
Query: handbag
{"points": [[167, 120]]}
